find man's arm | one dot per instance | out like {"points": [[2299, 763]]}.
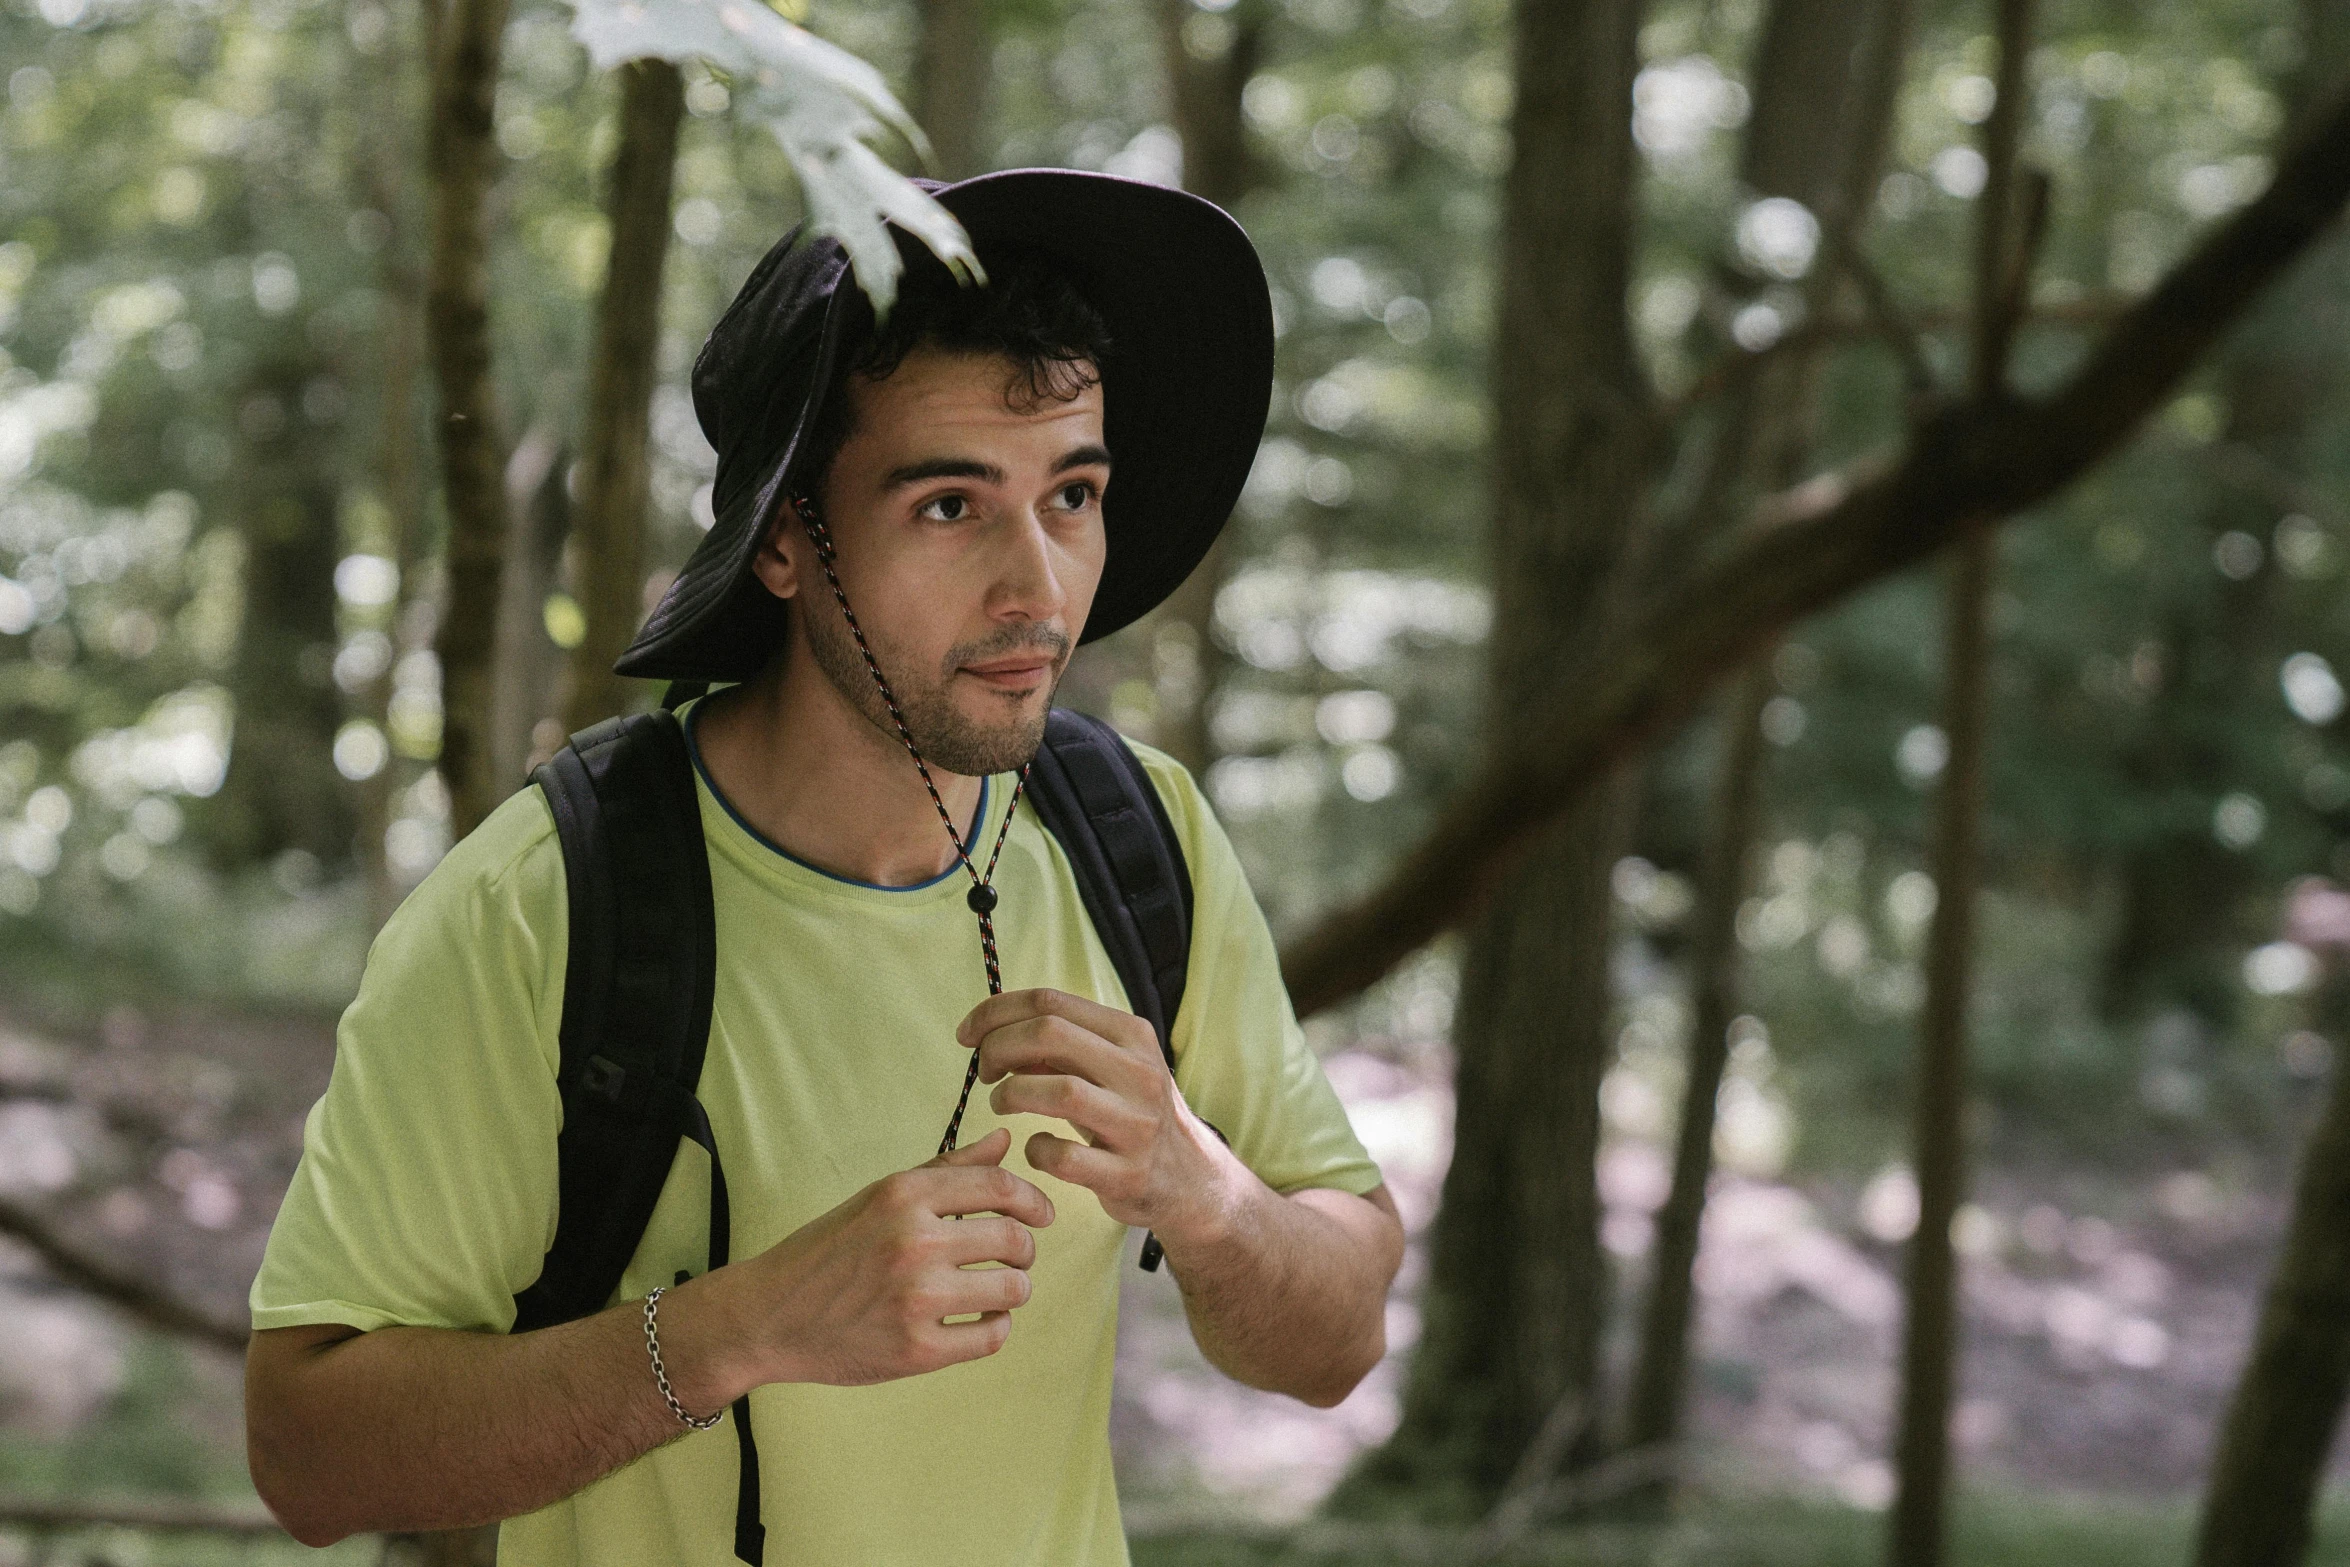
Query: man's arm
{"points": [[1290, 1293], [1283, 1293], [433, 1428]]}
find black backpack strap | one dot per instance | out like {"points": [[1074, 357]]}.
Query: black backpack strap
{"points": [[1091, 793], [636, 998], [637, 988]]}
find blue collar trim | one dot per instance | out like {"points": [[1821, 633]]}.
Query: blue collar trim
{"points": [[694, 748]]}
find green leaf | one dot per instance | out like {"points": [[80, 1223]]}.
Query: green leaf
{"points": [[821, 103]]}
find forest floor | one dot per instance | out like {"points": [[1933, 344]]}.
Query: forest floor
{"points": [[2105, 1320], [1996, 1529]]}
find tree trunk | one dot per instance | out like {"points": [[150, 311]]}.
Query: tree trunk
{"points": [[1929, 1351], [1204, 97], [954, 58], [1661, 1372], [608, 524], [1517, 1286], [1514, 1305], [525, 695], [1930, 1343], [1824, 75], [1188, 663], [399, 456], [2287, 1407], [282, 791], [462, 156]]}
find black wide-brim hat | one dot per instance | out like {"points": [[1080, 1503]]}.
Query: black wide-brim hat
{"points": [[1185, 389]]}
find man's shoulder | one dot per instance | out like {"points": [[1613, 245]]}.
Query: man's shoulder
{"points": [[1178, 791], [1207, 852], [511, 865], [472, 961]]}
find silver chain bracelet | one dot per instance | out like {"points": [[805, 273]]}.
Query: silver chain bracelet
{"points": [[661, 1374]]}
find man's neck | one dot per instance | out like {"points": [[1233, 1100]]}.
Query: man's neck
{"points": [[814, 776]]}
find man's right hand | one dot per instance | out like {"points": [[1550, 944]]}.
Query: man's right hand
{"points": [[435, 1428], [862, 1294]]}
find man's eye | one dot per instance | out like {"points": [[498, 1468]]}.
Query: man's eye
{"points": [[1076, 497], [947, 508]]}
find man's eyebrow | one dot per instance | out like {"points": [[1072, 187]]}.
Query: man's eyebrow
{"points": [[942, 468], [972, 468]]}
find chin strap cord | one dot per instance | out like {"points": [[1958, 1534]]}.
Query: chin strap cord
{"points": [[982, 896]]}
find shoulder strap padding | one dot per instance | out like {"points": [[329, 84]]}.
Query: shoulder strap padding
{"points": [[1092, 794], [636, 997]]}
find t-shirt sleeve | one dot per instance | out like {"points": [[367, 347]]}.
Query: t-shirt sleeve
{"points": [[1240, 1058], [425, 1195]]}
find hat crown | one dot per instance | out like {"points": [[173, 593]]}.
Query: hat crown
{"points": [[759, 367]]}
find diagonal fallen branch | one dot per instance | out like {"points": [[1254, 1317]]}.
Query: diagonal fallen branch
{"points": [[1810, 547], [155, 1307]]}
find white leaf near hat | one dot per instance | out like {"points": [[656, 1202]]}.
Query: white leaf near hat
{"points": [[820, 102]]}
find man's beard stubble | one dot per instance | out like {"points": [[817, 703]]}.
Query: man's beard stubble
{"points": [[944, 735]]}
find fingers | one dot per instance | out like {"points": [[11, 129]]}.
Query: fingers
{"points": [[1122, 1029], [1104, 1118], [956, 1342], [1053, 1044], [945, 1191], [989, 1239], [1098, 1171], [988, 1150], [986, 1289]]}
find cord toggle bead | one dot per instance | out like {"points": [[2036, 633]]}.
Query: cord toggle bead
{"points": [[981, 897]]}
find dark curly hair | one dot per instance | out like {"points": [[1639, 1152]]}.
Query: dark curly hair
{"points": [[1029, 313]]}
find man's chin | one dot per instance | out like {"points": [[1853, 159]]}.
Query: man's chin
{"points": [[977, 745]]}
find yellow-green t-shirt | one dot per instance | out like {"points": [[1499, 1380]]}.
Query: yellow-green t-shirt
{"points": [[426, 1190]]}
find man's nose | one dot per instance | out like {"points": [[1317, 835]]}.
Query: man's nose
{"points": [[1028, 573]]}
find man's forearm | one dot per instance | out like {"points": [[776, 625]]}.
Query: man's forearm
{"points": [[432, 1428], [1289, 1294]]}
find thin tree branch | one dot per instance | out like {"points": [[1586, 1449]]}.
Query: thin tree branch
{"points": [[1529, 1487], [1995, 227], [1883, 318], [1803, 550], [1891, 323], [139, 1298]]}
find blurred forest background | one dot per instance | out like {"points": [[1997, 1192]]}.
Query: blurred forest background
{"points": [[1668, 785]]}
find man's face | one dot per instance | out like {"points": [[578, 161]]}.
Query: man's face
{"points": [[967, 522]]}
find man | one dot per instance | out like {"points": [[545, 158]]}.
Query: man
{"points": [[926, 1345]]}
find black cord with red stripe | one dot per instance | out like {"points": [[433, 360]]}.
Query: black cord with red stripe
{"points": [[982, 896]]}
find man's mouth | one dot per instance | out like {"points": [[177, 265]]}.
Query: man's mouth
{"points": [[1018, 672]]}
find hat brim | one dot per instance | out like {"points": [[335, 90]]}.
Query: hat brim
{"points": [[1185, 393]]}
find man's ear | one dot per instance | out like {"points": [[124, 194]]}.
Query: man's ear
{"points": [[775, 564]]}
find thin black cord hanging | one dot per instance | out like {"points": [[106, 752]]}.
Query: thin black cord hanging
{"points": [[982, 896]]}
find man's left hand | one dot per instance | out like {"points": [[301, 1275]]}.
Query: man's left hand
{"points": [[1145, 1155]]}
